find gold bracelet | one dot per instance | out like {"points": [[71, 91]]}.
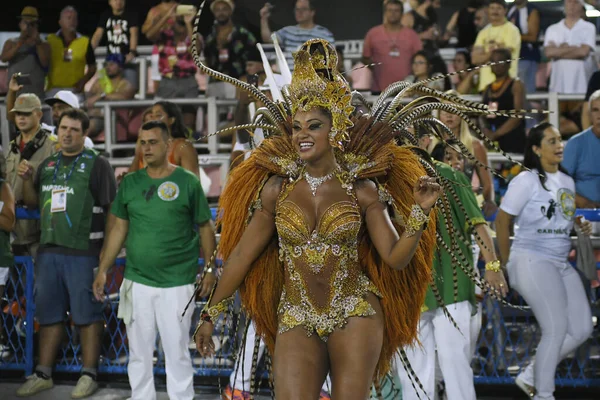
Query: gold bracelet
{"points": [[416, 220], [493, 266], [221, 307]]}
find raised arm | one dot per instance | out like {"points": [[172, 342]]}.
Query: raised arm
{"points": [[265, 29], [255, 239], [395, 250]]}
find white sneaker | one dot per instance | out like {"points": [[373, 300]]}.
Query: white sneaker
{"points": [[86, 386], [34, 385]]}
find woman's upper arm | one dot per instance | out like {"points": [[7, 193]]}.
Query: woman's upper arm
{"points": [[188, 158], [379, 224], [261, 228]]}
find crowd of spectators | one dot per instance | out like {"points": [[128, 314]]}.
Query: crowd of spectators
{"points": [[51, 160]]}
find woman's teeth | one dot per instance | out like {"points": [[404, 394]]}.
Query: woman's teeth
{"points": [[306, 145]]}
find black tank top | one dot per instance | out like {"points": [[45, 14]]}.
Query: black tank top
{"points": [[514, 141], [467, 32]]}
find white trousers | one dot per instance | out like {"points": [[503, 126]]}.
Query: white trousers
{"points": [[242, 379], [554, 291], [454, 352], [160, 308]]}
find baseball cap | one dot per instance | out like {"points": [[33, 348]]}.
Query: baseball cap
{"points": [[228, 2], [115, 58], [26, 103], [64, 96]]}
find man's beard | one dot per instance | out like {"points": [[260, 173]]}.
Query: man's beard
{"points": [[112, 76], [223, 22]]}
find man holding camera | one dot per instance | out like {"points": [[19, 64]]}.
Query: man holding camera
{"points": [[33, 144], [28, 54]]}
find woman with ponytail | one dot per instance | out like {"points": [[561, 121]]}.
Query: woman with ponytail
{"points": [[541, 204]]}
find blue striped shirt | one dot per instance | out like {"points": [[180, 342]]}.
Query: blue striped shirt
{"points": [[292, 37]]}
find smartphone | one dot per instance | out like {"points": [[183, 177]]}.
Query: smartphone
{"points": [[23, 79], [185, 9]]}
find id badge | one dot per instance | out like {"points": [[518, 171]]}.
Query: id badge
{"points": [[223, 55], [394, 53], [492, 106], [68, 55], [59, 200]]}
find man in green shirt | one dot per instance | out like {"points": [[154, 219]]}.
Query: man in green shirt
{"points": [[436, 332], [156, 211], [73, 190]]}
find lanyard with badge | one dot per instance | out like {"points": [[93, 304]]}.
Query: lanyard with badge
{"points": [[59, 196]]}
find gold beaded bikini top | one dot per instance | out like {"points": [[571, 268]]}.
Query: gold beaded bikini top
{"points": [[324, 283]]}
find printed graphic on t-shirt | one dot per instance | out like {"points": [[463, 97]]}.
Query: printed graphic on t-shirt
{"points": [[550, 210], [117, 34], [566, 199], [168, 191], [565, 203]]}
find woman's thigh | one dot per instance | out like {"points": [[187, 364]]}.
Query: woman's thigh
{"points": [[353, 354], [300, 365]]}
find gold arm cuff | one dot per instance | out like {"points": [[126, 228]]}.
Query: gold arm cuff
{"points": [[219, 308], [416, 220]]}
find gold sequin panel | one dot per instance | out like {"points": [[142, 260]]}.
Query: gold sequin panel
{"points": [[324, 283]]}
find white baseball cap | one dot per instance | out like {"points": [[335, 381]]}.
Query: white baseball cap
{"points": [[64, 96]]}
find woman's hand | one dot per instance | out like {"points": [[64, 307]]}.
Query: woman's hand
{"points": [[203, 339], [497, 281], [426, 192], [584, 225]]}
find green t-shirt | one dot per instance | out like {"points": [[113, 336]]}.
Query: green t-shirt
{"points": [[162, 243], [463, 224]]}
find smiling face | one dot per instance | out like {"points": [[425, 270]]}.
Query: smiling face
{"points": [[454, 159], [551, 147], [310, 134]]}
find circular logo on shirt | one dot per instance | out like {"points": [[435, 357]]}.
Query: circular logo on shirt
{"points": [[168, 191], [566, 199]]}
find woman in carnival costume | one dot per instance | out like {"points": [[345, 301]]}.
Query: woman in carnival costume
{"points": [[328, 229]]}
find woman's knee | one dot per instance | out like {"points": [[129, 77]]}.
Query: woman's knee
{"points": [[583, 331]]}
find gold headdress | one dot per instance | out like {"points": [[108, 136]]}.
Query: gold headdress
{"points": [[316, 82]]}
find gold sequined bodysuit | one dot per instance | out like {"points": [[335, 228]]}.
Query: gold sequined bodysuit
{"points": [[324, 284]]}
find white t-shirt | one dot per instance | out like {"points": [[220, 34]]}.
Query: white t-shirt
{"points": [[571, 76], [544, 218]]}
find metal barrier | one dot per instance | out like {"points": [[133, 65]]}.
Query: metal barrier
{"points": [[506, 341]]}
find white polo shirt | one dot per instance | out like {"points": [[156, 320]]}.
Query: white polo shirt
{"points": [[571, 76]]}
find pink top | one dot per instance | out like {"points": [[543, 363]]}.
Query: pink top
{"points": [[175, 59], [394, 50]]}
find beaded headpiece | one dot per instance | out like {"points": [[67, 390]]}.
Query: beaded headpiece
{"points": [[316, 82]]}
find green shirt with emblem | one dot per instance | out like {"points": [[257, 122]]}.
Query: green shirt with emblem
{"points": [[463, 225], [162, 242]]}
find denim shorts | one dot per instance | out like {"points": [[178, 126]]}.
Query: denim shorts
{"points": [[63, 283]]}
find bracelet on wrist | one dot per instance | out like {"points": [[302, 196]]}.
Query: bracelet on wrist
{"points": [[417, 220], [494, 266]]}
